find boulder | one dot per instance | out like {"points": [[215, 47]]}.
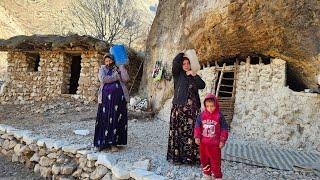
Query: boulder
{"points": [[99, 172]]}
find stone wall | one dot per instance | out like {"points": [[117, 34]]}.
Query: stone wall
{"points": [[51, 80], [3, 66], [66, 74], [58, 159], [89, 82], [266, 109], [208, 74]]}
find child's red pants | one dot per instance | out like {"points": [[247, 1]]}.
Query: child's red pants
{"points": [[210, 158]]}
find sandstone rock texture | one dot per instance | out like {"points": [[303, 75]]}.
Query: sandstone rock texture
{"points": [[286, 29], [51, 17]]}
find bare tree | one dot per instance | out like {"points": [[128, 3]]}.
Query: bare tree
{"points": [[135, 30], [109, 20]]}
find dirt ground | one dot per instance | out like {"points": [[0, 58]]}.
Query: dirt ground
{"points": [[58, 119], [147, 139]]}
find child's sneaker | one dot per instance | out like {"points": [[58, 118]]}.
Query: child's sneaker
{"points": [[206, 177]]}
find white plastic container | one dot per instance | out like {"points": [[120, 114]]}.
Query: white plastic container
{"points": [[194, 61]]}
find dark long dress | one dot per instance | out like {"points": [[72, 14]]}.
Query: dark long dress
{"points": [[112, 120], [181, 144]]}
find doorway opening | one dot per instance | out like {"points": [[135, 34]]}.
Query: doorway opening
{"points": [[71, 73]]}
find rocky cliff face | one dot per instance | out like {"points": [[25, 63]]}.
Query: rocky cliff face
{"points": [[48, 17], [286, 29]]}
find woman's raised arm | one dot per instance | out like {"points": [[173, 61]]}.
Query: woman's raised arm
{"points": [[177, 64]]}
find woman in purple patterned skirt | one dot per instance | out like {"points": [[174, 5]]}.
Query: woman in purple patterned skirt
{"points": [[112, 121]]}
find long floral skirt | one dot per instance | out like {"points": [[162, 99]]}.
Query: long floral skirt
{"points": [[181, 145], [112, 121]]}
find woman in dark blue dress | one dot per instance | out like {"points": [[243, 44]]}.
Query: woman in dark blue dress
{"points": [[112, 121]]}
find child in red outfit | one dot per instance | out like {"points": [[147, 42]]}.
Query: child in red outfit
{"points": [[211, 133]]}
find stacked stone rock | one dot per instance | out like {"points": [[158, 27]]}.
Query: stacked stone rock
{"points": [[18, 74], [51, 71], [208, 74], [268, 110], [24, 85], [52, 78], [66, 74], [88, 82], [59, 159]]}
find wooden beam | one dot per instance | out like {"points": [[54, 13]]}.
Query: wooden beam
{"points": [[235, 76], [203, 65], [220, 79], [260, 60], [248, 60]]}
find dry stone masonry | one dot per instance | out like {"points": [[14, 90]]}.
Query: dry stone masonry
{"points": [[266, 109], [58, 159], [52, 78], [42, 68]]}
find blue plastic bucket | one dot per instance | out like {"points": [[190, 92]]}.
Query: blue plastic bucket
{"points": [[119, 54]]}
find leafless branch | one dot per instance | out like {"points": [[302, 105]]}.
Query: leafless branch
{"points": [[109, 20]]}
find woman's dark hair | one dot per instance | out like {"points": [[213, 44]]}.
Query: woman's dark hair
{"points": [[108, 55], [185, 58]]}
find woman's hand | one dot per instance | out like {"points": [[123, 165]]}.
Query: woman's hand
{"points": [[197, 141], [192, 73]]}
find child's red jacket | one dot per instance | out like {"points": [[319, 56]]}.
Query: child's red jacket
{"points": [[211, 128]]}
